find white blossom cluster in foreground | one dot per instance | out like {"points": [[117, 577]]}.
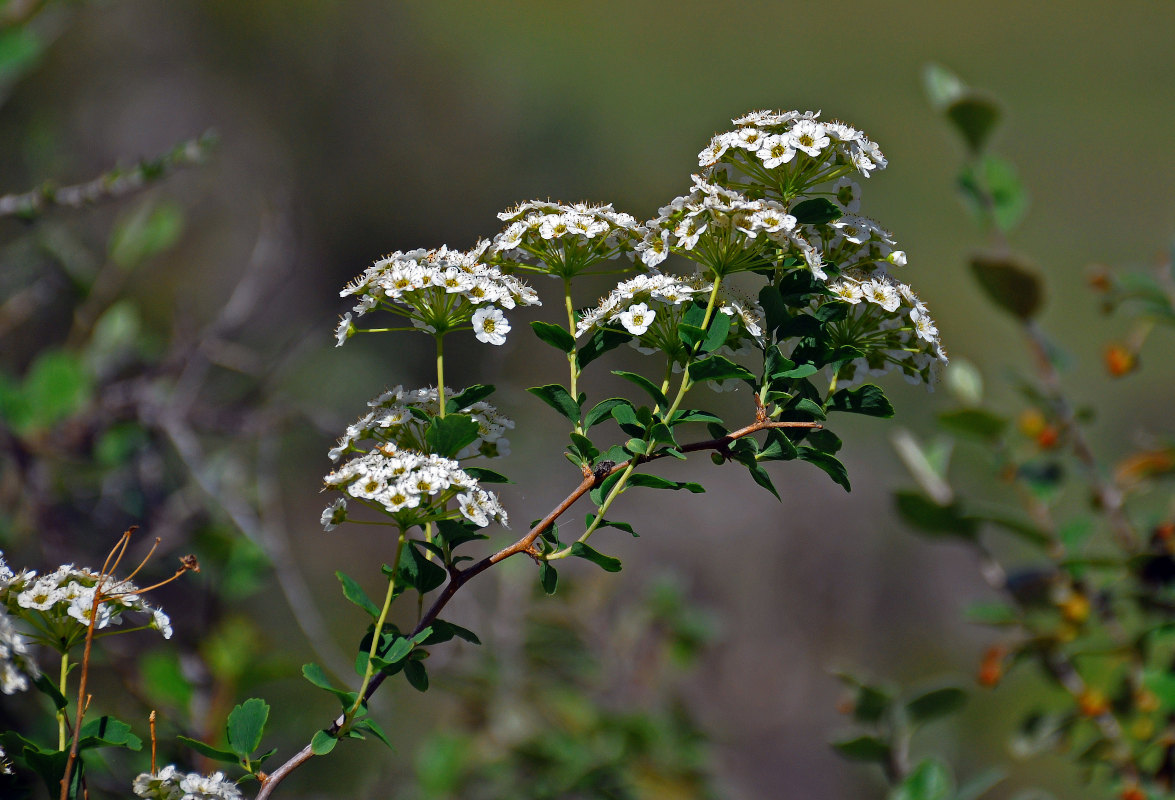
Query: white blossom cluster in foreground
{"points": [[564, 239], [171, 784], [391, 421], [406, 481]]}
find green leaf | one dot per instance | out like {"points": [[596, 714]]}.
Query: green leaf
{"points": [[717, 368], [447, 436], [830, 464], [863, 748], [417, 675], [942, 86], [760, 476], [1162, 683], [868, 400], [467, 397], [979, 785], [607, 523], [548, 577], [716, 334], [657, 482], [930, 517], [20, 50], [557, 398], [598, 494], [48, 688], [817, 211], [400, 649], [107, 731], [601, 342], [370, 725], [1010, 282], [208, 751], [418, 572], [607, 563], [322, 743], [354, 592], [145, 232], [690, 335], [486, 475], [974, 422], [778, 447], [975, 116], [930, 780], [555, 336], [1024, 529], [56, 387], [992, 614], [992, 190], [651, 388], [935, 703], [808, 406], [246, 724], [315, 674], [602, 411], [694, 415]]}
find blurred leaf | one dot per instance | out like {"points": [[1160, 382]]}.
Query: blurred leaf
{"points": [[1010, 282], [117, 333], [927, 465], [930, 780], [993, 192], [555, 336], [973, 422], [930, 517], [20, 50], [942, 86], [979, 785], [992, 614], [935, 703], [964, 381], [115, 446], [863, 748], [246, 725], [975, 116], [56, 387], [1162, 683], [163, 678], [606, 563], [145, 232]]}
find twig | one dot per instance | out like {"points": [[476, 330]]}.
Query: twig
{"points": [[459, 577]]}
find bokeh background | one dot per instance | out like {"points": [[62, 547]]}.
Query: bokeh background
{"points": [[356, 128]]}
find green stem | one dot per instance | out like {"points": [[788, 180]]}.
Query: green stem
{"points": [[573, 356], [686, 383], [62, 686], [379, 624], [441, 374]]}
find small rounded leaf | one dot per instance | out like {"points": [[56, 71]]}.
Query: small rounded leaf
{"points": [[1010, 282]]}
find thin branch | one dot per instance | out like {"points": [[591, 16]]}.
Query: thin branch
{"points": [[459, 577], [111, 185]]}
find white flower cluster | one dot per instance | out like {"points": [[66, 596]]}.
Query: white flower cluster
{"points": [[891, 326], [63, 600], [564, 239], [438, 290], [726, 231], [171, 784], [650, 306], [391, 421], [15, 665], [403, 480], [795, 141], [856, 244]]}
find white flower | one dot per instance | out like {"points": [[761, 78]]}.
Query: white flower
{"points": [[345, 330], [654, 248], [881, 293], [637, 319], [809, 136], [776, 149], [846, 193], [490, 325], [334, 514], [847, 291]]}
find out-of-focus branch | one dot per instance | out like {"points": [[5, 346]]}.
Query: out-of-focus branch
{"points": [[111, 185]]}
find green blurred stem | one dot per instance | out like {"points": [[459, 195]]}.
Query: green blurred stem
{"points": [[62, 686], [573, 356], [379, 624], [650, 444], [441, 374]]}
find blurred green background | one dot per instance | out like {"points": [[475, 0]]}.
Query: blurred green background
{"points": [[357, 128]]}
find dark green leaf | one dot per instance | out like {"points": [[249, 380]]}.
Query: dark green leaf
{"points": [[548, 577], [930, 517], [467, 397], [973, 422], [447, 436], [863, 748], [354, 592], [1010, 282], [778, 447], [602, 411], [207, 751], [246, 724], [555, 336], [487, 475], [370, 725], [824, 440], [598, 494], [716, 334], [817, 211], [417, 675], [20, 50], [316, 675], [651, 388], [935, 703], [607, 523], [47, 687], [107, 731], [830, 464], [322, 743], [717, 368], [690, 335], [418, 572], [808, 406], [693, 415], [601, 342], [56, 387], [868, 400], [975, 116], [657, 482], [557, 398], [457, 532], [606, 563], [760, 476]]}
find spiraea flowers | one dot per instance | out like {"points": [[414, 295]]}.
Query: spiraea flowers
{"points": [[438, 291], [563, 240], [59, 606], [171, 784], [15, 665], [400, 417], [413, 488]]}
